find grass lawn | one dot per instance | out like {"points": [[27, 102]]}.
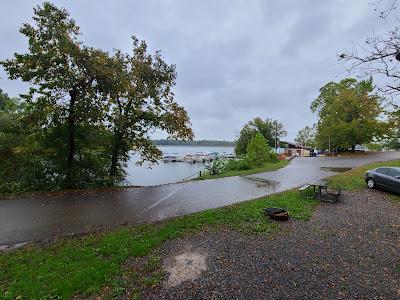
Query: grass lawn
{"points": [[354, 178], [96, 264], [267, 167]]}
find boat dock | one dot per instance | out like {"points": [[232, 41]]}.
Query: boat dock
{"points": [[197, 157]]}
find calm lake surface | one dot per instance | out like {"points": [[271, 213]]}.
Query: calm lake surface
{"points": [[168, 172]]}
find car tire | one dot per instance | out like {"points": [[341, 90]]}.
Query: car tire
{"points": [[370, 183]]}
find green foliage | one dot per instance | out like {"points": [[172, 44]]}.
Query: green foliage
{"points": [[83, 266], [348, 114], [85, 110], [238, 164], [12, 143], [218, 166], [258, 151], [139, 90], [306, 136], [240, 169], [34, 159], [393, 139], [259, 159], [393, 143], [374, 147], [63, 101], [268, 128]]}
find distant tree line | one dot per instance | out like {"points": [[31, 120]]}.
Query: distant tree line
{"points": [[166, 142], [85, 109]]}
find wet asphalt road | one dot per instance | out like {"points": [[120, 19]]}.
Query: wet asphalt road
{"points": [[44, 216]]}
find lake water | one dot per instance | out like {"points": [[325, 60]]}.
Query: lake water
{"points": [[168, 172]]}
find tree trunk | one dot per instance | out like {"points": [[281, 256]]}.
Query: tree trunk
{"points": [[115, 154], [71, 137], [353, 148]]}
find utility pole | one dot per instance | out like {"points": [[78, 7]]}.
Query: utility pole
{"points": [[276, 137], [329, 141]]}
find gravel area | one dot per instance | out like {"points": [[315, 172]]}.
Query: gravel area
{"points": [[348, 250]]}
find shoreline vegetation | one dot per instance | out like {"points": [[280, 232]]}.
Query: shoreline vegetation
{"points": [[270, 166], [96, 264], [258, 158]]}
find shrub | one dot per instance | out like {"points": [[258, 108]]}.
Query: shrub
{"points": [[239, 164], [273, 157], [258, 151], [218, 166]]}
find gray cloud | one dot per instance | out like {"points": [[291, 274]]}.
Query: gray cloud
{"points": [[235, 59]]}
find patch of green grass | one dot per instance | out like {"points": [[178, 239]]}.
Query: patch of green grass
{"points": [[354, 178], [153, 280], [266, 168], [84, 266], [152, 263], [394, 197]]}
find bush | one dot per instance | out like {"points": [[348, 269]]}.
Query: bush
{"points": [[258, 154], [258, 151], [239, 164], [218, 166], [273, 157]]}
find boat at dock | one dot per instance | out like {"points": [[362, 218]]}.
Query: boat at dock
{"points": [[197, 157], [228, 155], [172, 158]]}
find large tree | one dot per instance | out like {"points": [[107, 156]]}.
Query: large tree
{"points": [[139, 88], [62, 72], [88, 108], [272, 131], [349, 114]]}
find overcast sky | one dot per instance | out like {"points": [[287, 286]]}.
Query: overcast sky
{"points": [[236, 60]]}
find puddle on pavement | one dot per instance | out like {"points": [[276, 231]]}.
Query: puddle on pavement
{"points": [[184, 267], [263, 182], [336, 169]]}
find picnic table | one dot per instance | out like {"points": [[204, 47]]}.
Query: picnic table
{"points": [[318, 187]]}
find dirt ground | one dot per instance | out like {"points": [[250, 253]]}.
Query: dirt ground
{"points": [[348, 250]]}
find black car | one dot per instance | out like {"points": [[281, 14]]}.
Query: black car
{"points": [[385, 177]]}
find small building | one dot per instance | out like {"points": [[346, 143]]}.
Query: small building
{"points": [[294, 149], [279, 150]]}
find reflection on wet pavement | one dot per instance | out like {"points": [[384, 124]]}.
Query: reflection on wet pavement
{"points": [[43, 216], [269, 184], [336, 169]]}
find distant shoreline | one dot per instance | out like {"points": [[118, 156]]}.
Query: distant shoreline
{"points": [[185, 145], [201, 143]]}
